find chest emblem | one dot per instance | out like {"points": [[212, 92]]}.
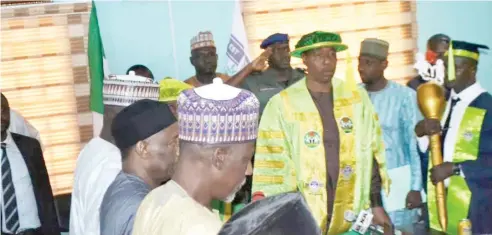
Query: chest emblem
{"points": [[312, 139], [346, 125], [347, 172], [468, 136], [315, 186]]}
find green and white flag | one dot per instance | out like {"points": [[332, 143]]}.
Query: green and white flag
{"points": [[98, 69]]}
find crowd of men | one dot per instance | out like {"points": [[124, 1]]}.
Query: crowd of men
{"points": [[270, 150]]}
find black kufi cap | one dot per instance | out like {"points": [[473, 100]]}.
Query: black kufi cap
{"points": [[139, 121]]}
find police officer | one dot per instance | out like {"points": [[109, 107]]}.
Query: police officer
{"points": [[279, 74]]}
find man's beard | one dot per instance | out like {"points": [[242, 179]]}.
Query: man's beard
{"points": [[231, 196]]}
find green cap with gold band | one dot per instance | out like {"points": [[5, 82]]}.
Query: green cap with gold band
{"points": [[170, 89], [318, 39]]}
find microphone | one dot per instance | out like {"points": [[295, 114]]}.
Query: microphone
{"points": [[257, 196], [362, 223]]}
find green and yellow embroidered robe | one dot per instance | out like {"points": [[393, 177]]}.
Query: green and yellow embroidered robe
{"points": [[290, 155]]}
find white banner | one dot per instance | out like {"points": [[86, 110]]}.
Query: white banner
{"points": [[237, 48]]}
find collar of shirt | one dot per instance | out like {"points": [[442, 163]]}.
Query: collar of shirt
{"points": [[468, 94], [8, 141], [466, 97]]}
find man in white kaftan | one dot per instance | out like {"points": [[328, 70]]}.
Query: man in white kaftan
{"points": [[100, 160], [97, 166]]}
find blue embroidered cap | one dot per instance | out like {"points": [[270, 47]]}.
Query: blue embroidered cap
{"points": [[274, 38]]}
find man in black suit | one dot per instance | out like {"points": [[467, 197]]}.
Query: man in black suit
{"points": [[26, 198]]}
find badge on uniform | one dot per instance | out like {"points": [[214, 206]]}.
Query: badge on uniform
{"points": [[312, 139], [346, 124], [269, 89], [347, 172]]}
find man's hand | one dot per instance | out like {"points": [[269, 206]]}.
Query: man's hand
{"points": [[414, 199], [428, 127], [249, 169], [382, 219], [441, 172], [260, 63]]}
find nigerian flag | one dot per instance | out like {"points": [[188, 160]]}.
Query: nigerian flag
{"points": [[97, 71]]}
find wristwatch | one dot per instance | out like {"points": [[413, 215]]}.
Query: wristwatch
{"points": [[457, 169]]}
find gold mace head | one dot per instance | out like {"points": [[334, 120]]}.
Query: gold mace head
{"points": [[430, 97]]}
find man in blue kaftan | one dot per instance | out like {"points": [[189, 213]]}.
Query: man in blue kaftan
{"points": [[398, 113]]}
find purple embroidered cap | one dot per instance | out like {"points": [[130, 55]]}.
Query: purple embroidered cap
{"points": [[218, 114]]}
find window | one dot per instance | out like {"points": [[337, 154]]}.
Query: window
{"points": [[19, 2], [44, 76], [393, 21]]}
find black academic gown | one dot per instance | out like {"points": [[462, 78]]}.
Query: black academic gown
{"points": [[478, 173], [33, 157], [281, 214]]}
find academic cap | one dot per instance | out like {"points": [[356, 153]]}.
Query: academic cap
{"points": [[467, 49]]}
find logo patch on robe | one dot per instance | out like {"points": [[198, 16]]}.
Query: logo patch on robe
{"points": [[468, 136], [315, 186], [347, 172], [312, 139], [346, 124]]}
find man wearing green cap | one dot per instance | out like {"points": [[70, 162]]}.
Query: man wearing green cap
{"points": [[396, 106], [466, 139], [321, 136]]}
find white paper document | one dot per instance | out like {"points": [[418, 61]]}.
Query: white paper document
{"points": [[400, 186]]}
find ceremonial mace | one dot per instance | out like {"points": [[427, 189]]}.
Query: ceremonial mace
{"points": [[430, 97]]}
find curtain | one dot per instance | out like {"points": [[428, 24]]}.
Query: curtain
{"points": [[393, 21], [44, 77]]}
